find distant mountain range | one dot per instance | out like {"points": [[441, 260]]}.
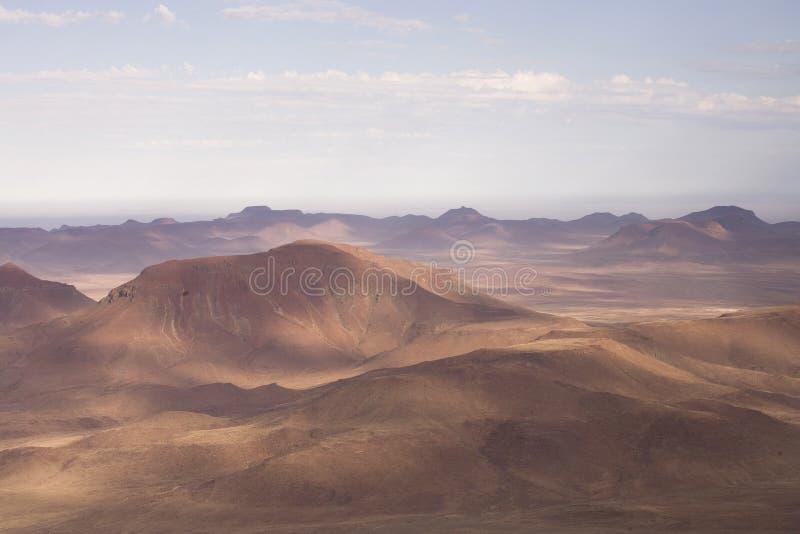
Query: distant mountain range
{"points": [[722, 231], [133, 245], [468, 224]]}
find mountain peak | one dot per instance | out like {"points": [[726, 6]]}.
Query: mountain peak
{"points": [[718, 211], [163, 220], [462, 213], [10, 266], [633, 217], [255, 210], [251, 211], [27, 300], [731, 218], [599, 216], [13, 275]]}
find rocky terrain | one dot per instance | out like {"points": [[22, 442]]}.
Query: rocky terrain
{"points": [[186, 401]]}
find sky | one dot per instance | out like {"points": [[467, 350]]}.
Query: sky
{"points": [[116, 109]]}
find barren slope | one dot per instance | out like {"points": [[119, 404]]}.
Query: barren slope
{"points": [[25, 299], [581, 430], [201, 321]]}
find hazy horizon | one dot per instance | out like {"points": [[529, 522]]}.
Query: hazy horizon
{"points": [[569, 210]]}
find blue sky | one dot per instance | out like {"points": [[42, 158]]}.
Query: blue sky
{"points": [[192, 108]]}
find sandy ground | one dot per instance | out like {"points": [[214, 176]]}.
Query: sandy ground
{"points": [[646, 291], [96, 285]]}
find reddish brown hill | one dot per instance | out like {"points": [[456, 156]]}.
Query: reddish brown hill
{"points": [[591, 421], [766, 340], [666, 239], [722, 232], [25, 299], [732, 218], [200, 321]]}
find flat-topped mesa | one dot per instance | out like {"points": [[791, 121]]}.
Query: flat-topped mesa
{"points": [[249, 211], [732, 218], [254, 210], [264, 215]]}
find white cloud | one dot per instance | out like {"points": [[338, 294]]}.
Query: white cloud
{"points": [[126, 72], [528, 85], [324, 11], [56, 20], [421, 93], [163, 15], [542, 85], [725, 100], [114, 17], [652, 97], [666, 97]]}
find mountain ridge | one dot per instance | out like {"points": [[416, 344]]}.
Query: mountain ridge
{"points": [[709, 235], [26, 300], [186, 322], [132, 246]]}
